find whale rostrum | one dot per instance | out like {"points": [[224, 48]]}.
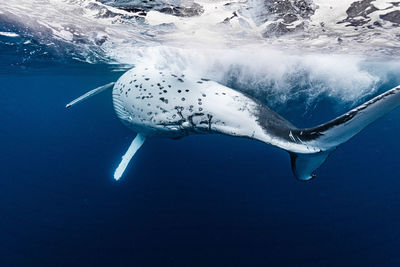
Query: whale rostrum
{"points": [[162, 103]]}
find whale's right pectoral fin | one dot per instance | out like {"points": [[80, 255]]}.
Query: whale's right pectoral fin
{"points": [[90, 94], [133, 148]]}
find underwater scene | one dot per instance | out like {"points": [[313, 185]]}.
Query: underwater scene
{"points": [[199, 133]]}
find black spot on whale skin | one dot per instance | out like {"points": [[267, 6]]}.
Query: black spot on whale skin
{"points": [[199, 82], [179, 79], [205, 80], [183, 99], [179, 91], [165, 91], [164, 100], [204, 95], [147, 79], [209, 121], [187, 90]]}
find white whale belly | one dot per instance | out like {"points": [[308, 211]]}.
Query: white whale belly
{"points": [[157, 102]]}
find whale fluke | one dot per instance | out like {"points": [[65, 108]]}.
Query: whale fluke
{"points": [[133, 148], [330, 135], [90, 94]]}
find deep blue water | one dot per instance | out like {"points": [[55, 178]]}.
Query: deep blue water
{"points": [[198, 201]]}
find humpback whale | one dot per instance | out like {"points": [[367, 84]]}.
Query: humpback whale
{"points": [[162, 103]]}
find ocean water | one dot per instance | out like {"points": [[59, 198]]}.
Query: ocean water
{"points": [[198, 201], [206, 200]]}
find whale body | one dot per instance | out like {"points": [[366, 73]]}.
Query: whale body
{"points": [[163, 103]]}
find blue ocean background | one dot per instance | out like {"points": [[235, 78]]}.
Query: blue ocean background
{"points": [[198, 201]]}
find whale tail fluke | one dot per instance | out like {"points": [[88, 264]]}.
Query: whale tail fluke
{"points": [[330, 135]]}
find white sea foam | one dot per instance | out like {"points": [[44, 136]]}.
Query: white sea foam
{"points": [[9, 34], [232, 53], [273, 74]]}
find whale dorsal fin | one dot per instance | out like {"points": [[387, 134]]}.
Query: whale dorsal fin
{"points": [[135, 145], [90, 94]]}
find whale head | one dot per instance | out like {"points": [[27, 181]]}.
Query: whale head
{"points": [[161, 102]]}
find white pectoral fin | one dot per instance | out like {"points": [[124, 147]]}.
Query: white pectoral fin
{"points": [[135, 145], [90, 94]]}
